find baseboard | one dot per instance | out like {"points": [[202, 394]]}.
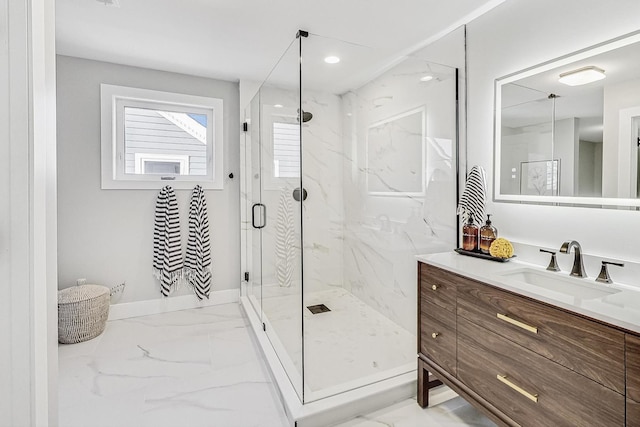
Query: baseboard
{"points": [[165, 305]]}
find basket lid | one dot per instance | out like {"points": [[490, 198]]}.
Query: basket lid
{"points": [[81, 293]]}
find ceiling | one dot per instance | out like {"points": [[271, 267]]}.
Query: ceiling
{"points": [[243, 39]]}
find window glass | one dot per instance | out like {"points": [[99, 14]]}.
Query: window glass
{"points": [[178, 138], [286, 150]]}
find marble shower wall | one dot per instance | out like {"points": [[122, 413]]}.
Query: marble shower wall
{"points": [[322, 177], [322, 157], [385, 229]]}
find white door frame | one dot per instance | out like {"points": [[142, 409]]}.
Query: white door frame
{"points": [[28, 261]]}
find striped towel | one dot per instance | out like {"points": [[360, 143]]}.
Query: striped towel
{"points": [[474, 196], [285, 239], [197, 263], [167, 253]]}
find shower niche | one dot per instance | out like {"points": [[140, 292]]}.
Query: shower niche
{"points": [[348, 172]]}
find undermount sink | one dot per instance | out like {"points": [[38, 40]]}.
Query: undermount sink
{"points": [[578, 288]]}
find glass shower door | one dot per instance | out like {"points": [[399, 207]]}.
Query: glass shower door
{"points": [[273, 213], [252, 195]]}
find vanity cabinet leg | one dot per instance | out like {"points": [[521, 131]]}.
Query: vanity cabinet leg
{"points": [[425, 383]]}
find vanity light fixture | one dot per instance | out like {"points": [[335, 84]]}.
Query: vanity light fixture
{"points": [[582, 76], [331, 59], [426, 78]]}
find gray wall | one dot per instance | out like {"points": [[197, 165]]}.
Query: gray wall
{"points": [[106, 236]]}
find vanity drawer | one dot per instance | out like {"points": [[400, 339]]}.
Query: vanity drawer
{"points": [[588, 348], [438, 336], [438, 286], [564, 398], [633, 367]]}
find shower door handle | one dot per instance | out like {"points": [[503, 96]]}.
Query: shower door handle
{"points": [[263, 215]]}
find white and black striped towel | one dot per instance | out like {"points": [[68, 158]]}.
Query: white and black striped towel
{"points": [[474, 196], [167, 253], [197, 263], [285, 239]]}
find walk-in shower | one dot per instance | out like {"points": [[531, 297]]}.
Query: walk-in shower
{"points": [[336, 205]]}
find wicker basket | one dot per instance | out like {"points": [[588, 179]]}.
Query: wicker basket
{"points": [[82, 312]]}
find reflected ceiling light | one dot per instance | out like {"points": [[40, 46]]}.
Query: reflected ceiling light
{"points": [[278, 105], [582, 76], [331, 59], [426, 78]]}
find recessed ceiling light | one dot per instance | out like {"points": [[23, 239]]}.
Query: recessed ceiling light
{"points": [[582, 76], [331, 59], [426, 78], [278, 105]]}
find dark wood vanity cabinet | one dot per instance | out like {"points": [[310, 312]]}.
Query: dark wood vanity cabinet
{"points": [[437, 308], [633, 379], [523, 362]]}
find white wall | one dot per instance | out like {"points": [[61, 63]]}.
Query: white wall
{"points": [[590, 169], [516, 35], [618, 150], [106, 236]]}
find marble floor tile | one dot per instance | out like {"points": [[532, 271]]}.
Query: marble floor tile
{"points": [[196, 368], [199, 367], [451, 413]]}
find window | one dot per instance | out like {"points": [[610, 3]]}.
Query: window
{"points": [[280, 132], [152, 138], [286, 150]]}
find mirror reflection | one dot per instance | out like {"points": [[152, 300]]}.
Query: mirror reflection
{"points": [[569, 130]]}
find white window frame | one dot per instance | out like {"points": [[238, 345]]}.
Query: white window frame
{"points": [[142, 158], [113, 101]]}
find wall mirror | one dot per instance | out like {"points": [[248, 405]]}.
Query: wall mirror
{"points": [[568, 131]]}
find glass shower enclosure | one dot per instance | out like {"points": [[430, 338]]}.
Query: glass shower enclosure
{"points": [[348, 171]]}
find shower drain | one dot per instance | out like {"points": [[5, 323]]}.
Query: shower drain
{"points": [[319, 308]]}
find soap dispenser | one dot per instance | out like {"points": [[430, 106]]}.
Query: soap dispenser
{"points": [[470, 235], [488, 233]]}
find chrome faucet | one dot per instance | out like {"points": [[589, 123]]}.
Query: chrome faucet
{"points": [[578, 267]]}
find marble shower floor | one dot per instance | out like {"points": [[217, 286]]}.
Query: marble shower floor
{"points": [[197, 367], [349, 346]]}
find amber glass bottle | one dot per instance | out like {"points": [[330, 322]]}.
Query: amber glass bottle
{"points": [[488, 233], [470, 235]]}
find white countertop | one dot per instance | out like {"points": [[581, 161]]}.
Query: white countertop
{"points": [[620, 309]]}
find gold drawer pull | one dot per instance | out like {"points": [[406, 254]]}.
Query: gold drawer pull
{"points": [[517, 323], [503, 379], [434, 335], [434, 287]]}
